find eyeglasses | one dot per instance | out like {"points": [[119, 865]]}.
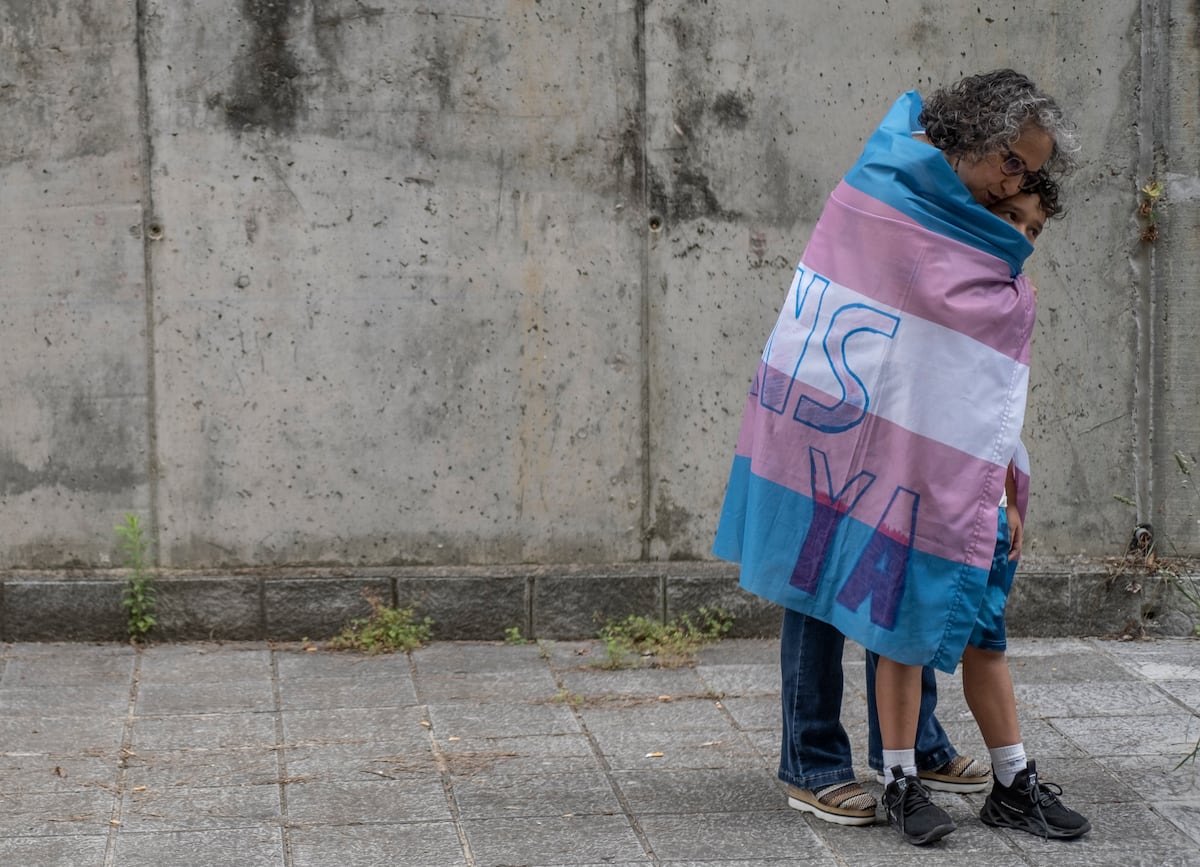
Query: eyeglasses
{"points": [[1013, 164]]}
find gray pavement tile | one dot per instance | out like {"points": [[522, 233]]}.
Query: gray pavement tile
{"points": [[225, 847], [414, 844], [530, 754], [192, 808], [739, 652], [544, 841], [1163, 659], [165, 699], [71, 665], [206, 663], [779, 860], [49, 773], [766, 744], [334, 692], [566, 655], [1029, 647], [1157, 778], [1186, 692], [521, 685], [408, 798], [467, 657], [209, 731], [82, 734], [1132, 735], [758, 712], [693, 748], [654, 715], [233, 766], [359, 761], [1080, 667], [295, 663], [105, 698], [725, 836], [469, 720], [55, 814], [496, 795], [741, 680], [1092, 698], [664, 790], [1184, 816], [401, 725], [643, 682], [73, 851]]}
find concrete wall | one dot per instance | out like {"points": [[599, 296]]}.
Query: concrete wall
{"points": [[352, 284]]}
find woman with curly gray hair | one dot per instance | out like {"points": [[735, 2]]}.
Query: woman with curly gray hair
{"points": [[996, 128], [918, 208]]}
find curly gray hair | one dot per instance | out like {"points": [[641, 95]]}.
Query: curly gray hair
{"points": [[983, 114]]}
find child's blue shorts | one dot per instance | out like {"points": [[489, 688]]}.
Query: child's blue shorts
{"points": [[989, 633]]}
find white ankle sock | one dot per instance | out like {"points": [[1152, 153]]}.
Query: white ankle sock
{"points": [[906, 759], [1007, 762]]}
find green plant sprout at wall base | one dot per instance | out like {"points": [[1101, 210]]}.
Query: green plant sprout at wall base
{"points": [[138, 598], [384, 630], [670, 645]]}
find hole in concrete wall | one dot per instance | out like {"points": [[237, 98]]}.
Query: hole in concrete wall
{"points": [[655, 223]]}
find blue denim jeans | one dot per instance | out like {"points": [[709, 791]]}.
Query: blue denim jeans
{"points": [[816, 748]]}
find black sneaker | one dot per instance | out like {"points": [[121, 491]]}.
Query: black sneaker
{"points": [[1033, 806], [909, 810]]}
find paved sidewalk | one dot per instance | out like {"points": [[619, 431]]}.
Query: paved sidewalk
{"points": [[484, 754]]}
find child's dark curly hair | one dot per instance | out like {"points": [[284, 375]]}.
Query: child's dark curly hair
{"points": [[1042, 185], [983, 114]]}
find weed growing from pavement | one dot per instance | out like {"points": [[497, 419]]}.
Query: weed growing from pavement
{"points": [[384, 630], [568, 698], [139, 597], [631, 642], [512, 635]]}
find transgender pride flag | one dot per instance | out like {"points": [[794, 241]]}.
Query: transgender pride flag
{"points": [[886, 408]]}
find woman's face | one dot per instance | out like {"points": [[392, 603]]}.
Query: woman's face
{"points": [[1000, 175]]}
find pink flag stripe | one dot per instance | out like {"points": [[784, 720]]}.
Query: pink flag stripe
{"points": [[875, 256], [948, 507], [847, 355]]}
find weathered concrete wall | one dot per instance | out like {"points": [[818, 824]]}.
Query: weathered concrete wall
{"points": [[484, 281]]}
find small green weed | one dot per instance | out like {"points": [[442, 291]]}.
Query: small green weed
{"points": [[512, 635], [384, 630], [568, 698], [671, 645], [139, 596]]}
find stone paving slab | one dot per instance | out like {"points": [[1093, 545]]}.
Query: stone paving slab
{"points": [[478, 754]]}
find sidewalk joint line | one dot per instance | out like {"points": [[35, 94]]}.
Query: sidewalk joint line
{"points": [[126, 749], [281, 760], [443, 768]]}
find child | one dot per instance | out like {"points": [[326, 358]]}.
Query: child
{"points": [[1017, 800], [1030, 208]]}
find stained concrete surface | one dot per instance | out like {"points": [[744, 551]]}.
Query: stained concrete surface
{"points": [[472, 753]]}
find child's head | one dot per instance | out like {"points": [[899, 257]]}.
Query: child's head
{"points": [[1030, 208]]}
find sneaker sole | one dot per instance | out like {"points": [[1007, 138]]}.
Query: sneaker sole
{"points": [[990, 816], [930, 836], [949, 784], [832, 814]]}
